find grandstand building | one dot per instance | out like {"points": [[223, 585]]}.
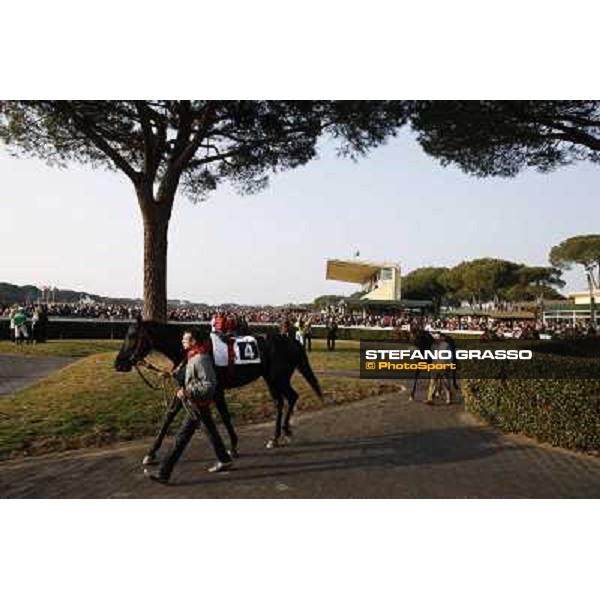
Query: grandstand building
{"points": [[381, 285], [584, 297]]}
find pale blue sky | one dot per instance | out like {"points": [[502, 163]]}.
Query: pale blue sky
{"points": [[80, 229]]}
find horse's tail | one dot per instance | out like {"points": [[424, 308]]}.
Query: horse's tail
{"points": [[307, 372]]}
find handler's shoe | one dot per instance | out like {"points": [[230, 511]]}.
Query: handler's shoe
{"points": [[149, 459], [219, 467], [156, 476]]}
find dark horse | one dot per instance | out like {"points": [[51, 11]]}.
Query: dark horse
{"points": [[423, 340], [280, 356]]}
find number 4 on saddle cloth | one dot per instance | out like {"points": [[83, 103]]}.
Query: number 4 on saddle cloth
{"points": [[238, 350]]}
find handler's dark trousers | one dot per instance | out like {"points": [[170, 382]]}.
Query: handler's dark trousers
{"points": [[197, 416]]}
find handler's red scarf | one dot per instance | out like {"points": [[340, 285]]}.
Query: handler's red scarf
{"points": [[197, 348]]}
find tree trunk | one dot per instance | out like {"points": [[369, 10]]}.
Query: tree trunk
{"points": [[590, 279], [156, 226]]}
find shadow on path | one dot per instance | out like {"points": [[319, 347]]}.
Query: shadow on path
{"points": [[429, 447]]}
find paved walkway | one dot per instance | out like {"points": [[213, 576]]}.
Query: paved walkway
{"points": [[384, 447], [17, 372]]}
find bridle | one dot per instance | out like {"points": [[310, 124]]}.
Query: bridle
{"points": [[142, 362]]}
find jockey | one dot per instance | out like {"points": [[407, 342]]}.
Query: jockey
{"points": [[218, 322], [196, 394], [230, 324], [19, 322]]}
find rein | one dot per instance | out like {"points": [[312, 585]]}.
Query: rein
{"points": [[144, 363], [150, 367]]}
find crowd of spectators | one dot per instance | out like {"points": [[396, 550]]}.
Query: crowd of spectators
{"points": [[492, 327], [77, 310]]}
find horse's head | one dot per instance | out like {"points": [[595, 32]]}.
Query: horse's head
{"points": [[415, 333], [136, 346], [421, 338]]}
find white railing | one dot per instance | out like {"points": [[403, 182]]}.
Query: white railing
{"points": [[566, 314]]}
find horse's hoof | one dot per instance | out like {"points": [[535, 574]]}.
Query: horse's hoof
{"points": [[272, 444], [411, 398], [149, 459], [233, 453]]}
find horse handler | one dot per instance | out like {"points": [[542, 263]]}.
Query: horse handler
{"points": [[197, 393], [442, 378]]}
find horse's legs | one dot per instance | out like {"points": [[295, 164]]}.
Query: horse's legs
{"points": [[223, 410], [174, 408], [278, 419], [292, 396], [278, 399], [448, 388], [414, 387]]}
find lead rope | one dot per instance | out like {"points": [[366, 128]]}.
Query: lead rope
{"points": [[152, 386], [185, 402]]}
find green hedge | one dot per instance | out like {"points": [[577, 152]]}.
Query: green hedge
{"points": [[377, 335], [563, 412]]}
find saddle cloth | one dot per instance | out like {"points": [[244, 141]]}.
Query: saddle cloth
{"points": [[245, 350]]}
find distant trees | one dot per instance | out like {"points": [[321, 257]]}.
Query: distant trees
{"points": [[583, 250], [482, 280], [427, 283]]}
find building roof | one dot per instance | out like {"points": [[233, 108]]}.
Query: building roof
{"points": [[583, 294], [353, 271]]}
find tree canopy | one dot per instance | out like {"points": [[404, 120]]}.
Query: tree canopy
{"points": [[202, 142], [583, 250], [487, 138]]}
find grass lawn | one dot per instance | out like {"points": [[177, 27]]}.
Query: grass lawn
{"points": [[346, 356], [89, 404], [68, 348], [345, 349]]}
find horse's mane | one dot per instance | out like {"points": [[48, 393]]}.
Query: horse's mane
{"points": [[166, 338], [422, 339]]}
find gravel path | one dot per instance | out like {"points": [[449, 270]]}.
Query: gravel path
{"points": [[384, 447], [17, 372]]}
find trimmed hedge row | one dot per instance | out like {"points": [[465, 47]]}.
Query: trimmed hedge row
{"points": [[563, 412], [375, 335]]}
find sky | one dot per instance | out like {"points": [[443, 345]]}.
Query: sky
{"points": [[78, 228]]}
